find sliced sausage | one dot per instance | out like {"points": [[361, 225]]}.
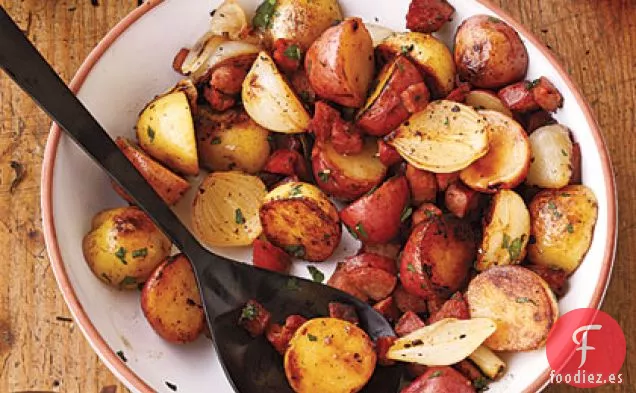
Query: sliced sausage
{"points": [[455, 307], [408, 323], [279, 336], [428, 16], [267, 256], [254, 318], [343, 311]]}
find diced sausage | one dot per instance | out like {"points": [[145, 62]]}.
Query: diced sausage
{"points": [[408, 323], [440, 380], [423, 185], [287, 162], [218, 100], [425, 212], [546, 95], [346, 138], [387, 154], [375, 283], [254, 318], [286, 142], [287, 55], [382, 346], [387, 308], [300, 83], [267, 256], [324, 117], [415, 97], [428, 16], [459, 93], [342, 281], [279, 336], [343, 311], [179, 59], [469, 370], [461, 200], [368, 259], [534, 120], [434, 305], [405, 301], [446, 179], [556, 278], [518, 97], [576, 165], [228, 79], [455, 307], [389, 250]]}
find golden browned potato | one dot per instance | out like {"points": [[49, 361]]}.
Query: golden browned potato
{"points": [[124, 246], [508, 158], [519, 301], [270, 101], [489, 53], [225, 210], [428, 53], [329, 355], [506, 231], [562, 226], [231, 140], [552, 152], [171, 302], [340, 63], [483, 99], [300, 219], [445, 137], [165, 130], [302, 21]]}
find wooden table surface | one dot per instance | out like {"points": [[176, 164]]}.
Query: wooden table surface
{"points": [[41, 349]]}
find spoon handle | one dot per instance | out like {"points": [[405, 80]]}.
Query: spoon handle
{"points": [[26, 66]]}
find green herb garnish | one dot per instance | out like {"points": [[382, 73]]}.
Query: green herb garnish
{"points": [[128, 281], [249, 312], [360, 230], [292, 285], [295, 191], [263, 16], [564, 153], [324, 175], [405, 49], [371, 191], [293, 52], [121, 254], [570, 228], [533, 84], [411, 268], [215, 141], [515, 247], [296, 250], [406, 213], [353, 234], [311, 337], [151, 134], [238, 217], [480, 383], [122, 356], [505, 243], [140, 253], [435, 374], [523, 299], [316, 275], [493, 19]]}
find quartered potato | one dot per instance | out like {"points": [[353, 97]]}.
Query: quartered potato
{"points": [[506, 231], [443, 343], [508, 158], [171, 302], [225, 210], [231, 140], [445, 137], [340, 63], [484, 99], [270, 101], [429, 54], [329, 355], [302, 21], [562, 226], [300, 219], [124, 246], [519, 301], [165, 130], [551, 162]]}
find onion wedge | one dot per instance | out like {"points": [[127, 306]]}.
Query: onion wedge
{"points": [[229, 20]]}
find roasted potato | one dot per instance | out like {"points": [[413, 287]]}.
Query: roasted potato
{"points": [[384, 109], [231, 140], [429, 54], [423, 185], [562, 226], [519, 301], [376, 217], [171, 302], [489, 53], [506, 231], [168, 185], [124, 246], [551, 162], [462, 201], [329, 355], [440, 380], [424, 212], [445, 137], [508, 159], [347, 177], [165, 130], [302, 21], [371, 274], [340, 63], [269, 99], [225, 210], [437, 257], [484, 99], [300, 219]]}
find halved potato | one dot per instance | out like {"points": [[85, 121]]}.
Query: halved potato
{"points": [[562, 226], [506, 231], [231, 140], [484, 99], [171, 302], [519, 301], [165, 130], [551, 162], [508, 158], [300, 219], [347, 177], [270, 101], [225, 210], [431, 56], [340, 64], [445, 137], [329, 355]]}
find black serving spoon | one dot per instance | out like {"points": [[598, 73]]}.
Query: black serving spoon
{"points": [[251, 365]]}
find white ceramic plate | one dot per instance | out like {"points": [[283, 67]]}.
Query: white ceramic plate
{"points": [[129, 67]]}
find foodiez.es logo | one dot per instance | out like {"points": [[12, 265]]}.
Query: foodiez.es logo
{"points": [[586, 348]]}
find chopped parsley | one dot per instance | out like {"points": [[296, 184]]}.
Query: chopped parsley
{"points": [[305, 96], [296, 191], [151, 133], [140, 253], [570, 228], [533, 84], [523, 299], [128, 280], [371, 191], [216, 140], [446, 122], [515, 247], [121, 254], [405, 49], [293, 52], [316, 275], [324, 175], [264, 13], [249, 312], [563, 152], [411, 268], [480, 383], [353, 234], [238, 217], [505, 243], [292, 285], [296, 250], [361, 231], [435, 374], [406, 213], [311, 337], [555, 212]]}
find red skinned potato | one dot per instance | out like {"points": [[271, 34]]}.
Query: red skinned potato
{"points": [[446, 179], [372, 274], [518, 97], [461, 200], [440, 380], [556, 278], [342, 280], [376, 218], [423, 185], [425, 211], [347, 177], [428, 16], [267, 256], [368, 259], [437, 257], [384, 109], [340, 63], [489, 53], [387, 154], [406, 301]]}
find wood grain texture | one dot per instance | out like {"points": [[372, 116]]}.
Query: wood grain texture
{"points": [[41, 350]]}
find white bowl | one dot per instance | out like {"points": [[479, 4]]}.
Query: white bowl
{"points": [[132, 64]]}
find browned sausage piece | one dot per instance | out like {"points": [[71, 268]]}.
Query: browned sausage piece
{"points": [[538, 119], [254, 318], [217, 99], [546, 94], [228, 79], [446, 179], [406, 301], [408, 323], [576, 177], [344, 312], [388, 309], [518, 97], [556, 278], [346, 138], [459, 93], [415, 97], [423, 185], [461, 200], [469, 370], [382, 346], [387, 154], [428, 16], [279, 336], [455, 307]]}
